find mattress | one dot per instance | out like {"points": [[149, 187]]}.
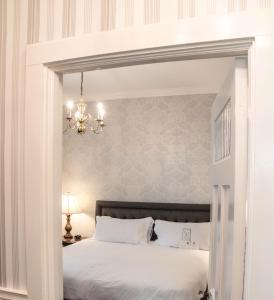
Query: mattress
{"points": [[95, 270]]}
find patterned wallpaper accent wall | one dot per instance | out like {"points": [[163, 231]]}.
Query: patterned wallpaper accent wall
{"points": [[153, 149]]}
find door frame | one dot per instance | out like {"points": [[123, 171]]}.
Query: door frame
{"points": [[228, 177], [43, 138]]}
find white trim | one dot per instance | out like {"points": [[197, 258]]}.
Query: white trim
{"points": [[10, 294], [43, 145], [240, 185], [251, 173], [224, 48]]}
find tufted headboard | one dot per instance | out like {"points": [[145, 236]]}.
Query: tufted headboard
{"points": [[175, 212]]}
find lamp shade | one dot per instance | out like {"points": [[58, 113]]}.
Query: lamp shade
{"points": [[70, 205]]}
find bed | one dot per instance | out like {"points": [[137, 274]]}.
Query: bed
{"points": [[96, 270]]}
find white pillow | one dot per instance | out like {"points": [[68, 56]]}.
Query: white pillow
{"points": [[132, 231], [183, 235]]}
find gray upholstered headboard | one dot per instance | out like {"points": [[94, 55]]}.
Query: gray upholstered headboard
{"points": [[175, 212]]}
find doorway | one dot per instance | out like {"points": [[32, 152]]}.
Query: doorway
{"points": [[50, 86], [159, 119]]}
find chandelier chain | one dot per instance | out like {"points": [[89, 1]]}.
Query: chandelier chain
{"points": [[82, 79]]}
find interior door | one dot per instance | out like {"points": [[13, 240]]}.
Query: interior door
{"points": [[228, 177]]}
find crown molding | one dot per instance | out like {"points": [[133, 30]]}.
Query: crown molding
{"points": [[227, 48]]}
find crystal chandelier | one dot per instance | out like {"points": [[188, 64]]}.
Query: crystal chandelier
{"points": [[81, 121]]}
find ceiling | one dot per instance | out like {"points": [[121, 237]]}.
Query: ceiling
{"points": [[158, 79]]}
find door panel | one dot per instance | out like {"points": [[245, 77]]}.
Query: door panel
{"points": [[228, 177]]}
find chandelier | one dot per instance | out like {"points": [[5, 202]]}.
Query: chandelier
{"points": [[82, 121]]}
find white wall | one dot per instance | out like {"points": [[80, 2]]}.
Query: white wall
{"points": [[41, 20]]}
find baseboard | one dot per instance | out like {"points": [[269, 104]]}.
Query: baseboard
{"points": [[10, 294]]}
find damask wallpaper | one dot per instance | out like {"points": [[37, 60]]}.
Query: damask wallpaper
{"points": [[153, 149]]}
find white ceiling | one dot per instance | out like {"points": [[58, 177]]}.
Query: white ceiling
{"points": [[159, 79]]}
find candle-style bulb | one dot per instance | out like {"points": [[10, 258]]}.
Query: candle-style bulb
{"points": [[100, 106], [101, 111], [70, 106], [102, 114]]}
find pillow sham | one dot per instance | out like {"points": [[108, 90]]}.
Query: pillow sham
{"points": [[132, 231], [182, 235]]}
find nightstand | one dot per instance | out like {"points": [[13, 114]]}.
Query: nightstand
{"points": [[66, 242]]}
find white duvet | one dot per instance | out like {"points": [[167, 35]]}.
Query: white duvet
{"points": [[96, 270]]}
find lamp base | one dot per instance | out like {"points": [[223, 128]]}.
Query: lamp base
{"points": [[68, 228], [68, 236]]}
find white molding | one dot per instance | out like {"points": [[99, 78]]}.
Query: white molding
{"points": [[43, 144], [260, 209], [240, 185], [150, 55], [11, 294], [43, 184], [251, 173]]}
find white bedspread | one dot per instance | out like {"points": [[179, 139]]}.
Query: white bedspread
{"points": [[96, 270]]}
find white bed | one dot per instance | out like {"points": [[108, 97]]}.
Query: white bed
{"points": [[95, 270]]}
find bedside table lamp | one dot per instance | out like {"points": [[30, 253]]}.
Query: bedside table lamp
{"points": [[69, 207]]}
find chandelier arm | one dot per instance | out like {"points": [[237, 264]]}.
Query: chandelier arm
{"points": [[94, 128], [99, 126], [71, 124]]}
